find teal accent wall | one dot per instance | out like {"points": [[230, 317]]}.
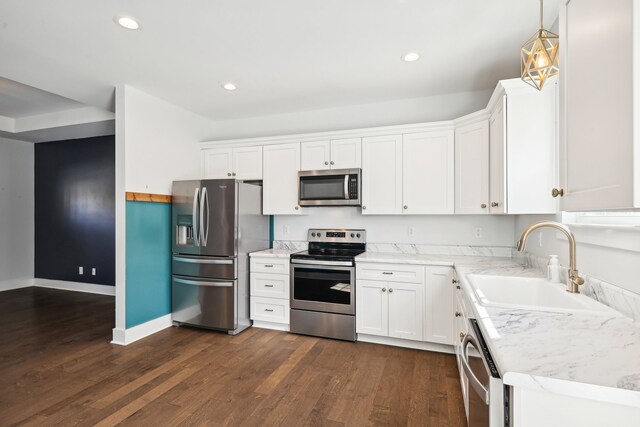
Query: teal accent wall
{"points": [[271, 230], [148, 262]]}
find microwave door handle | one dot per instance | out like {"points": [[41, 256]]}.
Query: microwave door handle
{"points": [[473, 380], [194, 218], [204, 226], [346, 187]]}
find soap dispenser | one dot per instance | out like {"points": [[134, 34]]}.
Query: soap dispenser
{"points": [[553, 269]]}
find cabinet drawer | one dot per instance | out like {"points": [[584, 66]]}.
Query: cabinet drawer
{"points": [[390, 272], [270, 310], [270, 285], [269, 265]]}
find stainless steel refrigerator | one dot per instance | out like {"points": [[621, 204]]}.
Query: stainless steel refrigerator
{"points": [[215, 224]]}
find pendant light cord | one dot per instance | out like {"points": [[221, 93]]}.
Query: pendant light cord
{"points": [[541, 14]]}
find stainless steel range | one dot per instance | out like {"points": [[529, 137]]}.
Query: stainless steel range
{"points": [[323, 284]]}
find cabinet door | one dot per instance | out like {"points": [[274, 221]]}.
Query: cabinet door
{"points": [[217, 163], [346, 153], [472, 168], [427, 173], [281, 164], [372, 308], [382, 175], [439, 310], [315, 155], [497, 164], [597, 169], [406, 307], [247, 163]]}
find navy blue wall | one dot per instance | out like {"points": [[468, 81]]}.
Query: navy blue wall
{"points": [[75, 210]]}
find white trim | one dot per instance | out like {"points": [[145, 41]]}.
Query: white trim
{"points": [[7, 285], [75, 286], [397, 342], [121, 209], [271, 325], [127, 336]]}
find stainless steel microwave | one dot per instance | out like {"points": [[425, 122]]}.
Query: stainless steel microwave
{"points": [[335, 187]]}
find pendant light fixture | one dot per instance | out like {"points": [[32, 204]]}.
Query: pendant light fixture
{"points": [[539, 56]]}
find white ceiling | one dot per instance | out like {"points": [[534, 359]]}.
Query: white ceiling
{"points": [[18, 101], [284, 55]]}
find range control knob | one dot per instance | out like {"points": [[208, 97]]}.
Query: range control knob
{"points": [[353, 235], [358, 235]]}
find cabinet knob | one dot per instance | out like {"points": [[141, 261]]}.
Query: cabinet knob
{"points": [[495, 204], [458, 314], [326, 163], [461, 336], [483, 206], [297, 207], [364, 207], [454, 281], [332, 162], [557, 192], [384, 289], [390, 290], [229, 174], [233, 174], [406, 207]]}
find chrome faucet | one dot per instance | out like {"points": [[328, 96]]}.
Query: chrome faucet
{"points": [[574, 279]]}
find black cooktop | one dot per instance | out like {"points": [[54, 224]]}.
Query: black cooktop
{"points": [[330, 254]]}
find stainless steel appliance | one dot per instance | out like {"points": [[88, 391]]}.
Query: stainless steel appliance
{"points": [[335, 187], [215, 224], [488, 398], [323, 284]]}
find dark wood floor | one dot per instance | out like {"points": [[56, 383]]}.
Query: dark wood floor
{"points": [[57, 367]]}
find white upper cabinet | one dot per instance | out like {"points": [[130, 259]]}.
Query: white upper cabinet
{"points": [[280, 179], [240, 163], [334, 154], [600, 154], [472, 168], [497, 161], [382, 175], [428, 172]]}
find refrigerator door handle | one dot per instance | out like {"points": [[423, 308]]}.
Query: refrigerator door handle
{"points": [[203, 261], [196, 232], [204, 226], [203, 283]]}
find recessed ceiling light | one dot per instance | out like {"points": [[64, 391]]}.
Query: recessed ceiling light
{"points": [[127, 22], [411, 56], [229, 86]]}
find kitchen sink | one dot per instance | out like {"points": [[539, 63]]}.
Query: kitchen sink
{"points": [[531, 293]]}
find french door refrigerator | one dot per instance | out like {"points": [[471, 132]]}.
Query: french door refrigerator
{"points": [[215, 224]]}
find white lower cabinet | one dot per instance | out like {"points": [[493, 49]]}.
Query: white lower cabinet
{"points": [[269, 291], [405, 301]]}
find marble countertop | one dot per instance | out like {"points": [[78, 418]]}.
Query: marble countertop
{"points": [[423, 259], [275, 253], [581, 354]]}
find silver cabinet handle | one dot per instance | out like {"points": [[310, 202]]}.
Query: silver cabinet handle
{"points": [[268, 309], [268, 265], [390, 290], [203, 283], [202, 261], [194, 218], [384, 289], [268, 286], [473, 380], [387, 272]]}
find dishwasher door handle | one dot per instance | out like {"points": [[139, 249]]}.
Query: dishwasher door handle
{"points": [[473, 380]]}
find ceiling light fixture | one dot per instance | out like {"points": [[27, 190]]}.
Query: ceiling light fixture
{"points": [[539, 56], [127, 22], [410, 57], [229, 86]]}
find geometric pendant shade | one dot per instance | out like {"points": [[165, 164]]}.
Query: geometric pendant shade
{"points": [[539, 57]]}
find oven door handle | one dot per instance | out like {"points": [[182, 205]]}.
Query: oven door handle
{"points": [[473, 380], [318, 262]]}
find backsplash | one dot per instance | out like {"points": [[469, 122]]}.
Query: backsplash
{"points": [[626, 302]]}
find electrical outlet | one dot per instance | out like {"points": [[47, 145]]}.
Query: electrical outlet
{"points": [[478, 232], [411, 231], [286, 229], [93, 271], [80, 271]]}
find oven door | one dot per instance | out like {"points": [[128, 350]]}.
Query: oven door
{"points": [[329, 187], [325, 288]]}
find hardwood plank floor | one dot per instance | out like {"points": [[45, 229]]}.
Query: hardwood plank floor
{"points": [[57, 367]]}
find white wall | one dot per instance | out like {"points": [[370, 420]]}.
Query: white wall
{"points": [[430, 230], [160, 141], [16, 213], [615, 266], [403, 111]]}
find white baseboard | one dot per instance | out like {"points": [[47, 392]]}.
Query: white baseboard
{"points": [[7, 285], [271, 325], [75, 286], [397, 342], [127, 336]]}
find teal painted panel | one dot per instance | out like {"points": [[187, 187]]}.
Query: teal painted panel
{"points": [[271, 230], [148, 277]]}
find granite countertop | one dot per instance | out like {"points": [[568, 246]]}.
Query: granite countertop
{"points": [[581, 354], [275, 253]]}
